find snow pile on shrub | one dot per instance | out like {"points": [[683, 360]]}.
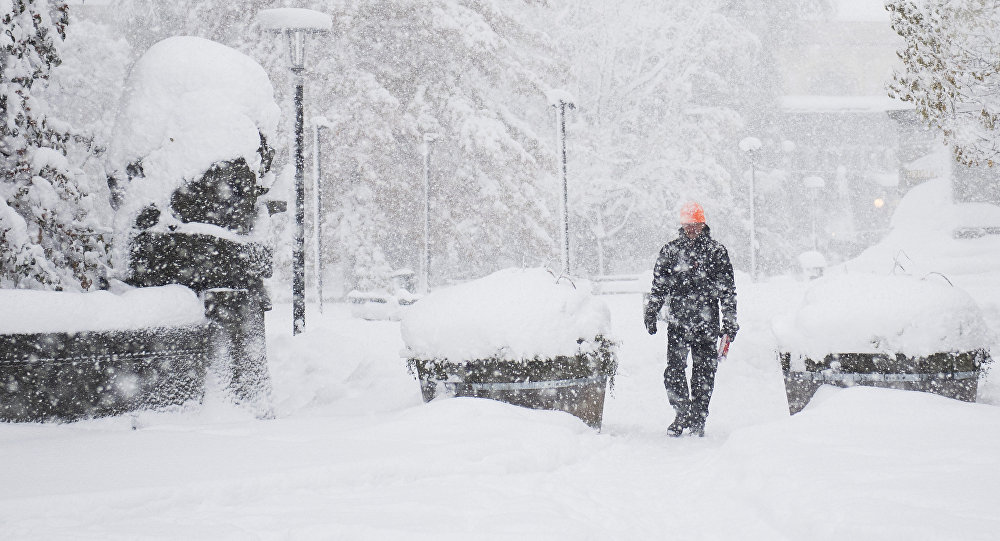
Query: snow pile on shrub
{"points": [[867, 313], [512, 314], [29, 311], [188, 104]]}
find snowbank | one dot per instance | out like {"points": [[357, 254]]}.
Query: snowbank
{"points": [[188, 104], [30, 311], [868, 313], [513, 313], [922, 237]]}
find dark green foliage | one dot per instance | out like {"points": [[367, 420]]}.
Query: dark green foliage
{"points": [[197, 261], [226, 196], [953, 374], [70, 376], [578, 381]]}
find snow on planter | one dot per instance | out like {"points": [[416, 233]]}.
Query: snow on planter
{"points": [[68, 355], [31, 311], [521, 336], [892, 331]]}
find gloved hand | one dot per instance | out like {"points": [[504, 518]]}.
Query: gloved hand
{"points": [[650, 321], [730, 328]]}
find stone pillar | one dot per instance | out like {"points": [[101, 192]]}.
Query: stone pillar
{"points": [[238, 318]]}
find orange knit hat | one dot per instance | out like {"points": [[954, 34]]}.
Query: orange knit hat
{"points": [[692, 213]]}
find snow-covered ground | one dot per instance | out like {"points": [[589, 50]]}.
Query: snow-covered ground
{"points": [[353, 453]]}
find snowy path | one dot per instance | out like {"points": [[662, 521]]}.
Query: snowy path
{"points": [[354, 454]]}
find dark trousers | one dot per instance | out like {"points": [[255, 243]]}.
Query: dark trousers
{"points": [[690, 405]]}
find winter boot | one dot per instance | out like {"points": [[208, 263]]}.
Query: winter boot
{"points": [[697, 429], [676, 428]]}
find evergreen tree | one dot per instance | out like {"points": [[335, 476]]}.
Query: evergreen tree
{"points": [[47, 238]]}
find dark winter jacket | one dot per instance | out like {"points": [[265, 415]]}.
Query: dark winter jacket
{"points": [[697, 277]]}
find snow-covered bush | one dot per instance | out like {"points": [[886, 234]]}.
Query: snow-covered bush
{"points": [[48, 237], [189, 105], [192, 140], [521, 336], [513, 314], [867, 313]]}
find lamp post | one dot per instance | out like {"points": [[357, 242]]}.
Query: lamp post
{"points": [[426, 149], [318, 123], [751, 145], [814, 184], [562, 100], [295, 23]]}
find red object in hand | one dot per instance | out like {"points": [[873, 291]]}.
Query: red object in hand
{"points": [[723, 348]]}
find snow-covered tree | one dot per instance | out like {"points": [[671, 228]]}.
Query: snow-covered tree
{"points": [[48, 239], [145, 22], [662, 89], [469, 71], [951, 71]]}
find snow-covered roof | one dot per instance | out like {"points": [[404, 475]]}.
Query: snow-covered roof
{"points": [[294, 19], [869, 313], [513, 313], [842, 104], [30, 311]]}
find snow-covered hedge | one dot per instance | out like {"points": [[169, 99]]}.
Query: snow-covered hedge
{"points": [[26, 311], [514, 314], [189, 104], [866, 313]]}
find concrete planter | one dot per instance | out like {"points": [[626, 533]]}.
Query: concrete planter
{"points": [[951, 374], [576, 385]]}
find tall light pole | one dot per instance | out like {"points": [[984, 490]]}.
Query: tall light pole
{"points": [[295, 23], [752, 145], [426, 149], [814, 184], [562, 100], [318, 123]]}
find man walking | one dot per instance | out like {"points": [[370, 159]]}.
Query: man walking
{"points": [[695, 274]]}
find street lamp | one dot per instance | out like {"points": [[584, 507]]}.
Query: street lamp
{"points": [[318, 122], [426, 149], [562, 100], [295, 23], [752, 145], [814, 184]]}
